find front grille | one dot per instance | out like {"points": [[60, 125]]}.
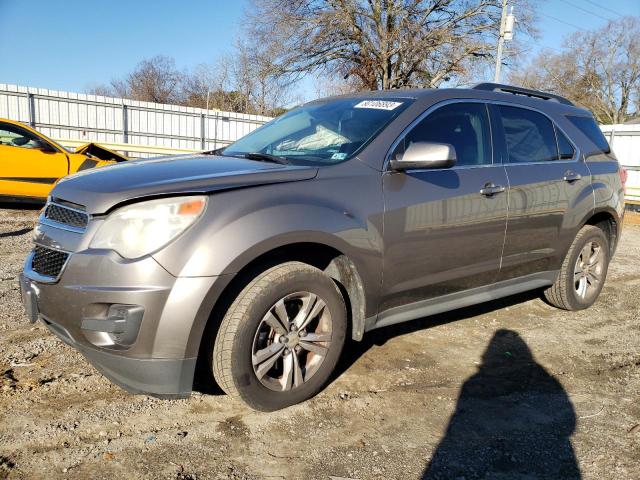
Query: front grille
{"points": [[67, 216], [48, 262]]}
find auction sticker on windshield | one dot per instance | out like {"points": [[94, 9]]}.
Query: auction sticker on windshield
{"points": [[378, 104]]}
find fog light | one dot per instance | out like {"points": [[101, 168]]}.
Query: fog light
{"points": [[121, 324]]}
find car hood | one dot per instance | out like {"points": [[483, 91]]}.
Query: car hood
{"points": [[93, 150], [101, 189]]}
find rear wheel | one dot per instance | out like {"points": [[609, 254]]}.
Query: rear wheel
{"points": [[583, 271], [281, 338]]}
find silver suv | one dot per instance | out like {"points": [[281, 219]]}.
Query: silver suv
{"points": [[255, 263]]}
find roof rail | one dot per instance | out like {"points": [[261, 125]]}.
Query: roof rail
{"points": [[499, 87]]}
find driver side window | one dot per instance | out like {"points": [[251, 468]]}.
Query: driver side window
{"points": [[13, 136], [465, 126]]}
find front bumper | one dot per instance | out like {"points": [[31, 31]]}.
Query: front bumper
{"points": [[160, 357], [159, 377]]}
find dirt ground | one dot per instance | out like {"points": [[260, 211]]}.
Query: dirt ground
{"points": [[508, 389]]}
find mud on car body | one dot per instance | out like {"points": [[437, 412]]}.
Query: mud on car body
{"points": [[257, 262]]}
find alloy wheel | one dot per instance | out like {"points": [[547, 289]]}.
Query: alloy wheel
{"points": [[587, 273], [291, 341]]}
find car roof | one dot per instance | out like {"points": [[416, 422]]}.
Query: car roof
{"points": [[13, 122], [462, 93]]}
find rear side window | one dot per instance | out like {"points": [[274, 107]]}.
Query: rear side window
{"points": [[564, 146], [589, 127], [529, 135]]}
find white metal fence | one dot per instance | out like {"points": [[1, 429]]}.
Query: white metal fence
{"points": [[625, 142], [142, 129], [150, 128]]}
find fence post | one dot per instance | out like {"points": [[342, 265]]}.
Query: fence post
{"points": [[203, 133], [129, 134], [125, 124], [215, 134], [32, 109]]}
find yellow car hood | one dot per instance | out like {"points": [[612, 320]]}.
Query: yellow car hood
{"points": [[100, 152]]}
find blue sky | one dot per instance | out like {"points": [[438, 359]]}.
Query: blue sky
{"points": [[557, 18], [73, 44]]}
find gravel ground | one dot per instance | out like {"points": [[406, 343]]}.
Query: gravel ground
{"points": [[508, 389]]}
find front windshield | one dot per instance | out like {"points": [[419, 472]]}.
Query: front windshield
{"points": [[321, 133]]}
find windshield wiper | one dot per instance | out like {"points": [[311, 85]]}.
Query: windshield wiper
{"points": [[217, 151], [265, 157]]}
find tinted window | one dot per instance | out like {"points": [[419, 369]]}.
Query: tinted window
{"points": [[463, 125], [589, 127], [529, 135], [564, 147]]}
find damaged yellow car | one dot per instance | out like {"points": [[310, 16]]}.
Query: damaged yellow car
{"points": [[31, 163]]}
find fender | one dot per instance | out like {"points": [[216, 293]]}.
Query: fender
{"points": [[225, 242], [242, 225], [598, 211], [340, 269]]}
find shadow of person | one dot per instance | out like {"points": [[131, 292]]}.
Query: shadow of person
{"points": [[513, 420]]}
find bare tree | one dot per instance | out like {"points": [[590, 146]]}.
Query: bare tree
{"points": [[244, 81], [382, 43], [328, 86], [260, 81], [198, 84], [210, 86], [153, 80], [599, 70]]}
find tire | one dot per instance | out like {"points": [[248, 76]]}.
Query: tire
{"points": [[252, 330], [577, 288]]}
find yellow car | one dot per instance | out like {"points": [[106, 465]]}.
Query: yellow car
{"points": [[31, 163]]}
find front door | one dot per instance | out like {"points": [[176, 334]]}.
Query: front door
{"points": [[444, 228], [29, 166]]}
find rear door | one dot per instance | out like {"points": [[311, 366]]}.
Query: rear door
{"points": [[549, 190], [441, 234], [29, 166]]}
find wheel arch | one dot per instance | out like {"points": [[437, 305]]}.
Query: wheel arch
{"points": [[608, 221], [338, 266], [331, 260]]}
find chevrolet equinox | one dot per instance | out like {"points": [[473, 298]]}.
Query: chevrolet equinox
{"points": [[257, 261]]}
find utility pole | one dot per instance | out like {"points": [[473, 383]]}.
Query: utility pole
{"points": [[506, 33]]}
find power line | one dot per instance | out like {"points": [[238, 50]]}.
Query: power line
{"points": [[605, 8], [562, 21], [585, 10], [543, 47]]}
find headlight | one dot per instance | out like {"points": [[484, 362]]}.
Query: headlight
{"points": [[142, 228]]}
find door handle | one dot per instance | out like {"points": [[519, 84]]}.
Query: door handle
{"points": [[490, 189], [570, 176]]}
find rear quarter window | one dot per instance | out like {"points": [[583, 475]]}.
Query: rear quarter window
{"points": [[589, 127], [565, 148]]}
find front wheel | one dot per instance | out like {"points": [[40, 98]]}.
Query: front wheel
{"points": [[583, 271], [281, 338]]}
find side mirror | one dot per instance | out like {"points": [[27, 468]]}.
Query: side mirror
{"points": [[422, 155], [46, 147]]}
